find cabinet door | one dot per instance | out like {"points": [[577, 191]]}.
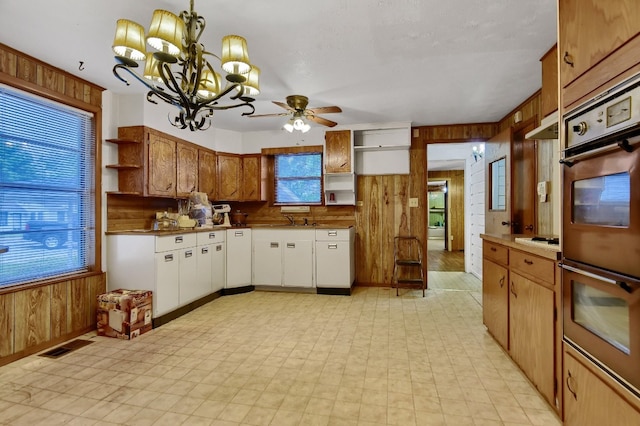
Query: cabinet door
{"points": [[337, 156], [229, 172], [588, 401], [238, 258], [549, 93], [532, 332], [166, 297], [204, 274], [207, 173], [161, 180], [251, 177], [218, 266], [267, 262], [333, 261], [188, 282], [591, 30], [495, 301], [298, 263], [186, 169]]}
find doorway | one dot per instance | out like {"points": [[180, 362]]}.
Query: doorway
{"points": [[445, 195]]}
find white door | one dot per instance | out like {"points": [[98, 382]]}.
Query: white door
{"points": [[204, 271], [267, 262], [238, 257], [298, 263], [166, 296], [332, 264], [188, 275]]}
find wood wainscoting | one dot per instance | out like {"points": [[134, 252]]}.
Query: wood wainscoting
{"points": [[38, 317]]}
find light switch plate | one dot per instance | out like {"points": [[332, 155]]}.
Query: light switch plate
{"points": [[413, 202]]}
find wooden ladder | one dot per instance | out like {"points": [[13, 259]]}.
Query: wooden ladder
{"points": [[407, 267]]}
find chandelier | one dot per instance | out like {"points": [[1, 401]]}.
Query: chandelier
{"points": [[179, 71]]}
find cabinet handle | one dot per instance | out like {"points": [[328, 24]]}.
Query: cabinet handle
{"points": [[178, 240], [513, 290], [204, 250], [502, 281], [188, 253], [239, 233], [568, 59], [493, 249], [219, 247], [169, 187], [168, 258], [212, 235], [275, 245], [332, 233], [291, 245], [569, 377], [529, 228], [193, 188], [332, 246], [528, 262]]}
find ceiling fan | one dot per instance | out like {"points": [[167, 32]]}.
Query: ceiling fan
{"points": [[296, 106]]}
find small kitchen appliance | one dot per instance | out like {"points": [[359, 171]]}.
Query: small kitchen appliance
{"points": [[223, 210]]}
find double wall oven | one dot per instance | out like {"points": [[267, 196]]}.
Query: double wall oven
{"points": [[601, 231]]}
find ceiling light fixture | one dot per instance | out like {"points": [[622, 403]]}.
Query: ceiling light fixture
{"points": [[296, 123], [194, 87]]}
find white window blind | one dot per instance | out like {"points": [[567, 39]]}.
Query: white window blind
{"points": [[298, 178], [47, 204]]}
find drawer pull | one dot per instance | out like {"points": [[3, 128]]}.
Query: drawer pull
{"points": [[188, 253], [528, 262], [494, 249], [178, 239], [204, 250], [332, 246], [291, 245], [275, 245], [219, 247], [573, 392], [168, 258], [212, 235], [513, 290], [239, 233], [332, 233], [502, 281]]}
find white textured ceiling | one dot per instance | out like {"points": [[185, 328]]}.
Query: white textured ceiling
{"points": [[425, 61]]}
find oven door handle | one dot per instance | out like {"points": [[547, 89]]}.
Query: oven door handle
{"points": [[623, 285], [623, 144]]}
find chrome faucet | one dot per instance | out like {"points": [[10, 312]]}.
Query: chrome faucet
{"points": [[291, 219]]}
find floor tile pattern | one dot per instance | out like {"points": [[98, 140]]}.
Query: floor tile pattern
{"points": [[275, 358]]}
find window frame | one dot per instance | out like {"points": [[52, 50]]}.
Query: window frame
{"points": [[90, 103]]}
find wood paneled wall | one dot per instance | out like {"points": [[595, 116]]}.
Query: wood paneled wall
{"points": [[39, 316], [455, 213], [530, 108]]}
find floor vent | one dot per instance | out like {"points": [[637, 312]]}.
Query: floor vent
{"points": [[66, 348]]}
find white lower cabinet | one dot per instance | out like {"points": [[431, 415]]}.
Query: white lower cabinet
{"points": [[335, 259], [166, 293], [210, 265], [238, 257], [283, 257]]}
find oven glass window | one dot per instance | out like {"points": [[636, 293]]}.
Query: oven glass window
{"points": [[602, 200], [601, 313]]}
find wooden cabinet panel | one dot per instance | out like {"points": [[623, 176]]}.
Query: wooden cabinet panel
{"points": [[32, 317], [251, 177], [495, 301], [207, 173], [6, 324], [495, 252], [588, 401], [592, 30], [533, 267], [229, 173], [59, 310], [162, 166], [549, 93], [186, 169], [77, 308], [532, 332], [337, 156]]}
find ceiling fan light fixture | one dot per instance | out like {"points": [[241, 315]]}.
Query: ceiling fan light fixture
{"points": [[288, 126]]}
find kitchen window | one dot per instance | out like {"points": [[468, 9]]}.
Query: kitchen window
{"points": [[47, 184], [298, 178]]}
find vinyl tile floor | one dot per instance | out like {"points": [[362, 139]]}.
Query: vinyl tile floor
{"points": [[275, 358]]}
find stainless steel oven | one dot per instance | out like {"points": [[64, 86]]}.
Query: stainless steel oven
{"points": [[601, 230]]}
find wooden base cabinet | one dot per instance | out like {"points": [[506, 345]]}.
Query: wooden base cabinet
{"points": [[591, 398], [495, 301]]}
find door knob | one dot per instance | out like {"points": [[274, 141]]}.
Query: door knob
{"points": [[506, 223], [529, 228]]}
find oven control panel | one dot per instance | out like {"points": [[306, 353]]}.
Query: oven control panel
{"points": [[616, 112]]}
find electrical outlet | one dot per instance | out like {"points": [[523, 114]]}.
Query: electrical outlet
{"points": [[413, 202]]}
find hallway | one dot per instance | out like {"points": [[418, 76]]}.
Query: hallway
{"points": [[438, 259]]}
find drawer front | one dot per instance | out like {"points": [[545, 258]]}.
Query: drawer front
{"points": [[175, 241], [495, 252], [537, 268], [332, 235], [210, 237]]}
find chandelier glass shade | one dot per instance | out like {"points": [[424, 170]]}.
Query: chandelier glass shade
{"points": [[179, 72]]}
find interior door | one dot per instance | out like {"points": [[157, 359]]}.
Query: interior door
{"points": [[523, 179], [498, 181]]}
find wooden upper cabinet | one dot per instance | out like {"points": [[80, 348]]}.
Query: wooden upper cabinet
{"points": [[186, 169], [229, 174], [207, 173], [251, 177], [337, 156], [594, 46], [549, 95], [162, 166]]}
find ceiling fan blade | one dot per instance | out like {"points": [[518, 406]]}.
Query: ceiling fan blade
{"points": [[280, 114], [321, 120], [283, 105], [325, 110]]}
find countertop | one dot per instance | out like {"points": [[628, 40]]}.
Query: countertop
{"points": [[547, 251], [222, 228]]}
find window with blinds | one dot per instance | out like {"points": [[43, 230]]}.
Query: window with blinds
{"points": [[47, 161], [298, 178]]}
